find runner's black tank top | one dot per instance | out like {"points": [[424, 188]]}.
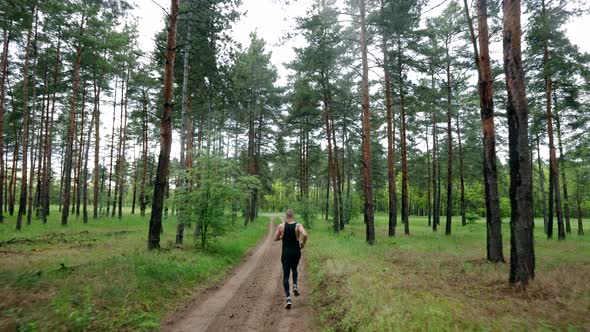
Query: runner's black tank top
{"points": [[290, 242]]}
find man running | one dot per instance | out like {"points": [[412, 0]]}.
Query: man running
{"points": [[291, 232]]}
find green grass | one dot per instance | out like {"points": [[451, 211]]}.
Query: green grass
{"points": [[429, 281], [100, 276]]}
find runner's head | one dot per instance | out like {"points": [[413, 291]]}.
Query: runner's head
{"points": [[290, 214]]}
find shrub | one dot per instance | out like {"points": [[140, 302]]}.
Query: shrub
{"points": [[471, 217], [210, 189], [307, 210]]}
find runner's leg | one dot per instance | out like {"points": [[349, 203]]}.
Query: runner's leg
{"points": [[294, 269], [286, 271]]}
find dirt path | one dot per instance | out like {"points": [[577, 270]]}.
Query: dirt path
{"points": [[251, 299]]}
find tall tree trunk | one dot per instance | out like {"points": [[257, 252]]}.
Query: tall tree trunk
{"points": [[81, 147], [183, 129], [449, 208], [41, 166], [338, 173], [435, 187], [12, 184], [49, 139], [486, 102], [566, 203], [3, 75], [22, 204], [112, 146], [84, 175], [29, 209], [5, 183], [328, 192], [71, 131], [542, 186], [390, 133], [118, 163], [579, 201], [165, 133], [331, 164], [428, 191], [553, 166], [404, 144], [142, 198], [522, 253], [123, 145], [461, 175], [135, 173], [96, 116], [251, 165], [367, 164]]}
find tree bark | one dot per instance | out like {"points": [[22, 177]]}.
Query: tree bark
{"points": [[367, 170], [553, 166], [123, 145], [12, 184], [71, 131], [428, 191], [542, 186], [579, 201], [84, 174], [81, 147], [4, 74], [41, 166], [30, 195], [96, 194], [183, 129], [338, 173], [22, 204], [47, 169], [112, 146], [449, 208], [392, 221], [485, 80], [566, 204], [461, 175], [165, 133], [522, 254], [142, 198], [118, 163], [331, 164], [405, 190]]}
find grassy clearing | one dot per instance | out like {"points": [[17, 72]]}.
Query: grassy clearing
{"points": [[429, 281], [100, 276]]}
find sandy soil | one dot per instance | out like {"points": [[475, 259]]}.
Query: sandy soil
{"points": [[251, 298]]}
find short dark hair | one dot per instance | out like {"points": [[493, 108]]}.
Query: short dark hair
{"points": [[290, 213]]}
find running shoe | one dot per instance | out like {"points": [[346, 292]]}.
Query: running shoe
{"points": [[288, 305]]}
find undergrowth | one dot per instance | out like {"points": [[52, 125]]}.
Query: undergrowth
{"points": [[431, 282], [101, 277]]}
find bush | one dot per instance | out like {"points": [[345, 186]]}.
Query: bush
{"points": [[210, 190], [471, 217], [307, 210]]}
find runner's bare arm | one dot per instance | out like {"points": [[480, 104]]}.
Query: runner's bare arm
{"points": [[302, 236], [279, 232]]}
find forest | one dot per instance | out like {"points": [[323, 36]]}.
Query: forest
{"points": [[435, 151]]}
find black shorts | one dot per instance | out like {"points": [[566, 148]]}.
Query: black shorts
{"points": [[290, 260]]}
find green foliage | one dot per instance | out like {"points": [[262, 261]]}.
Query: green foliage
{"points": [[432, 282], [307, 210], [505, 207], [76, 311], [209, 192], [111, 282], [472, 217], [281, 195]]}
